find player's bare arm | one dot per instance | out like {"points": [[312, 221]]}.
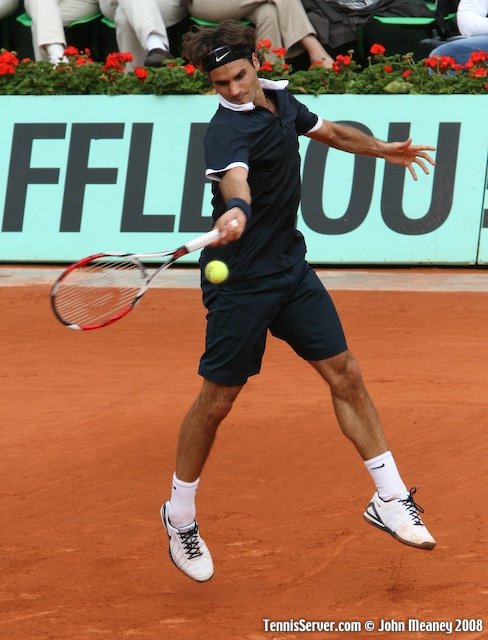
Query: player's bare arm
{"points": [[233, 184], [355, 141]]}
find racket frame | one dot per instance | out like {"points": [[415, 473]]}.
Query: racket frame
{"points": [[136, 258]]}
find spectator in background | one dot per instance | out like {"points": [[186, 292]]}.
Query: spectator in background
{"points": [[283, 22], [49, 17], [141, 27], [339, 23], [472, 21], [7, 7], [472, 17]]}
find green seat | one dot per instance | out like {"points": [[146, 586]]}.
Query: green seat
{"points": [[108, 22], [209, 23], [413, 21], [26, 20], [406, 21]]}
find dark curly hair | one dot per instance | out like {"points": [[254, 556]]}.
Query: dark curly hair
{"points": [[200, 41]]}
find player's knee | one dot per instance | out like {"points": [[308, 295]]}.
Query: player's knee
{"points": [[348, 380], [220, 407], [216, 401]]}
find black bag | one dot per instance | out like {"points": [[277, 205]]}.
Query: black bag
{"points": [[446, 25]]}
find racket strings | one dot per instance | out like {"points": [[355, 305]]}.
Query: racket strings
{"points": [[99, 291]]}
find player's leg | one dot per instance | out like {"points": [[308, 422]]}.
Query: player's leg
{"points": [[235, 340], [198, 429], [197, 434], [392, 507], [354, 409], [322, 343]]}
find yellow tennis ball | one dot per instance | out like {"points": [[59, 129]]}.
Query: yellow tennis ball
{"points": [[216, 271]]}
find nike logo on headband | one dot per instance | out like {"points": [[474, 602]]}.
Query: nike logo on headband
{"points": [[219, 58], [224, 54]]}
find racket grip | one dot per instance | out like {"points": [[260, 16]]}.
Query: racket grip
{"points": [[205, 239]]}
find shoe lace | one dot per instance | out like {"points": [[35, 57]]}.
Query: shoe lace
{"points": [[412, 507], [190, 542]]}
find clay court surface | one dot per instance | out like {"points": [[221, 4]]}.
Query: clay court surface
{"points": [[88, 432]]}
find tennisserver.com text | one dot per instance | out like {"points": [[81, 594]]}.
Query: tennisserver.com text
{"points": [[309, 626], [412, 625]]}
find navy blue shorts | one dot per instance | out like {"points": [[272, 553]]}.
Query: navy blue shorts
{"points": [[293, 305]]}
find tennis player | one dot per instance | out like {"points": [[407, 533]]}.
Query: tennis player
{"points": [[252, 158]]}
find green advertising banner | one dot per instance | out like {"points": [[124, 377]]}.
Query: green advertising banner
{"points": [[80, 174], [483, 246]]}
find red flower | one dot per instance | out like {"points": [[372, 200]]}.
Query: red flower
{"points": [[442, 63], [266, 66], [71, 51], [141, 73], [281, 53], [190, 69], [479, 56], [8, 62], [117, 60], [264, 44], [344, 60], [388, 68], [340, 62], [406, 73], [446, 62], [285, 66], [9, 58], [377, 50], [480, 73]]}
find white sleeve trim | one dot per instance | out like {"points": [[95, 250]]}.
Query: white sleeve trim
{"points": [[317, 125], [215, 174]]}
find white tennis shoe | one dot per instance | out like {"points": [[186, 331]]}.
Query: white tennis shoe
{"points": [[400, 518], [187, 549]]}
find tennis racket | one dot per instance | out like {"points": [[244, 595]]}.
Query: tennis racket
{"points": [[102, 288]]}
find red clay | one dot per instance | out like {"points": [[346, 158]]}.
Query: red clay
{"points": [[88, 432]]}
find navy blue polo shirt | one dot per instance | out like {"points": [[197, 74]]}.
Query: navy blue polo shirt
{"points": [[267, 145]]}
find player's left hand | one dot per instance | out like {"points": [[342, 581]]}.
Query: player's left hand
{"points": [[408, 154]]}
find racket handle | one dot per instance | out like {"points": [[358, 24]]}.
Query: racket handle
{"points": [[205, 239]]}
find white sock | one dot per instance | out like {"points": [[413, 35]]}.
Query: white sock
{"points": [[183, 502], [155, 41], [55, 51], [385, 475]]}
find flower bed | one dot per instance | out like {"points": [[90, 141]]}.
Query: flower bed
{"points": [[397, 74]]}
